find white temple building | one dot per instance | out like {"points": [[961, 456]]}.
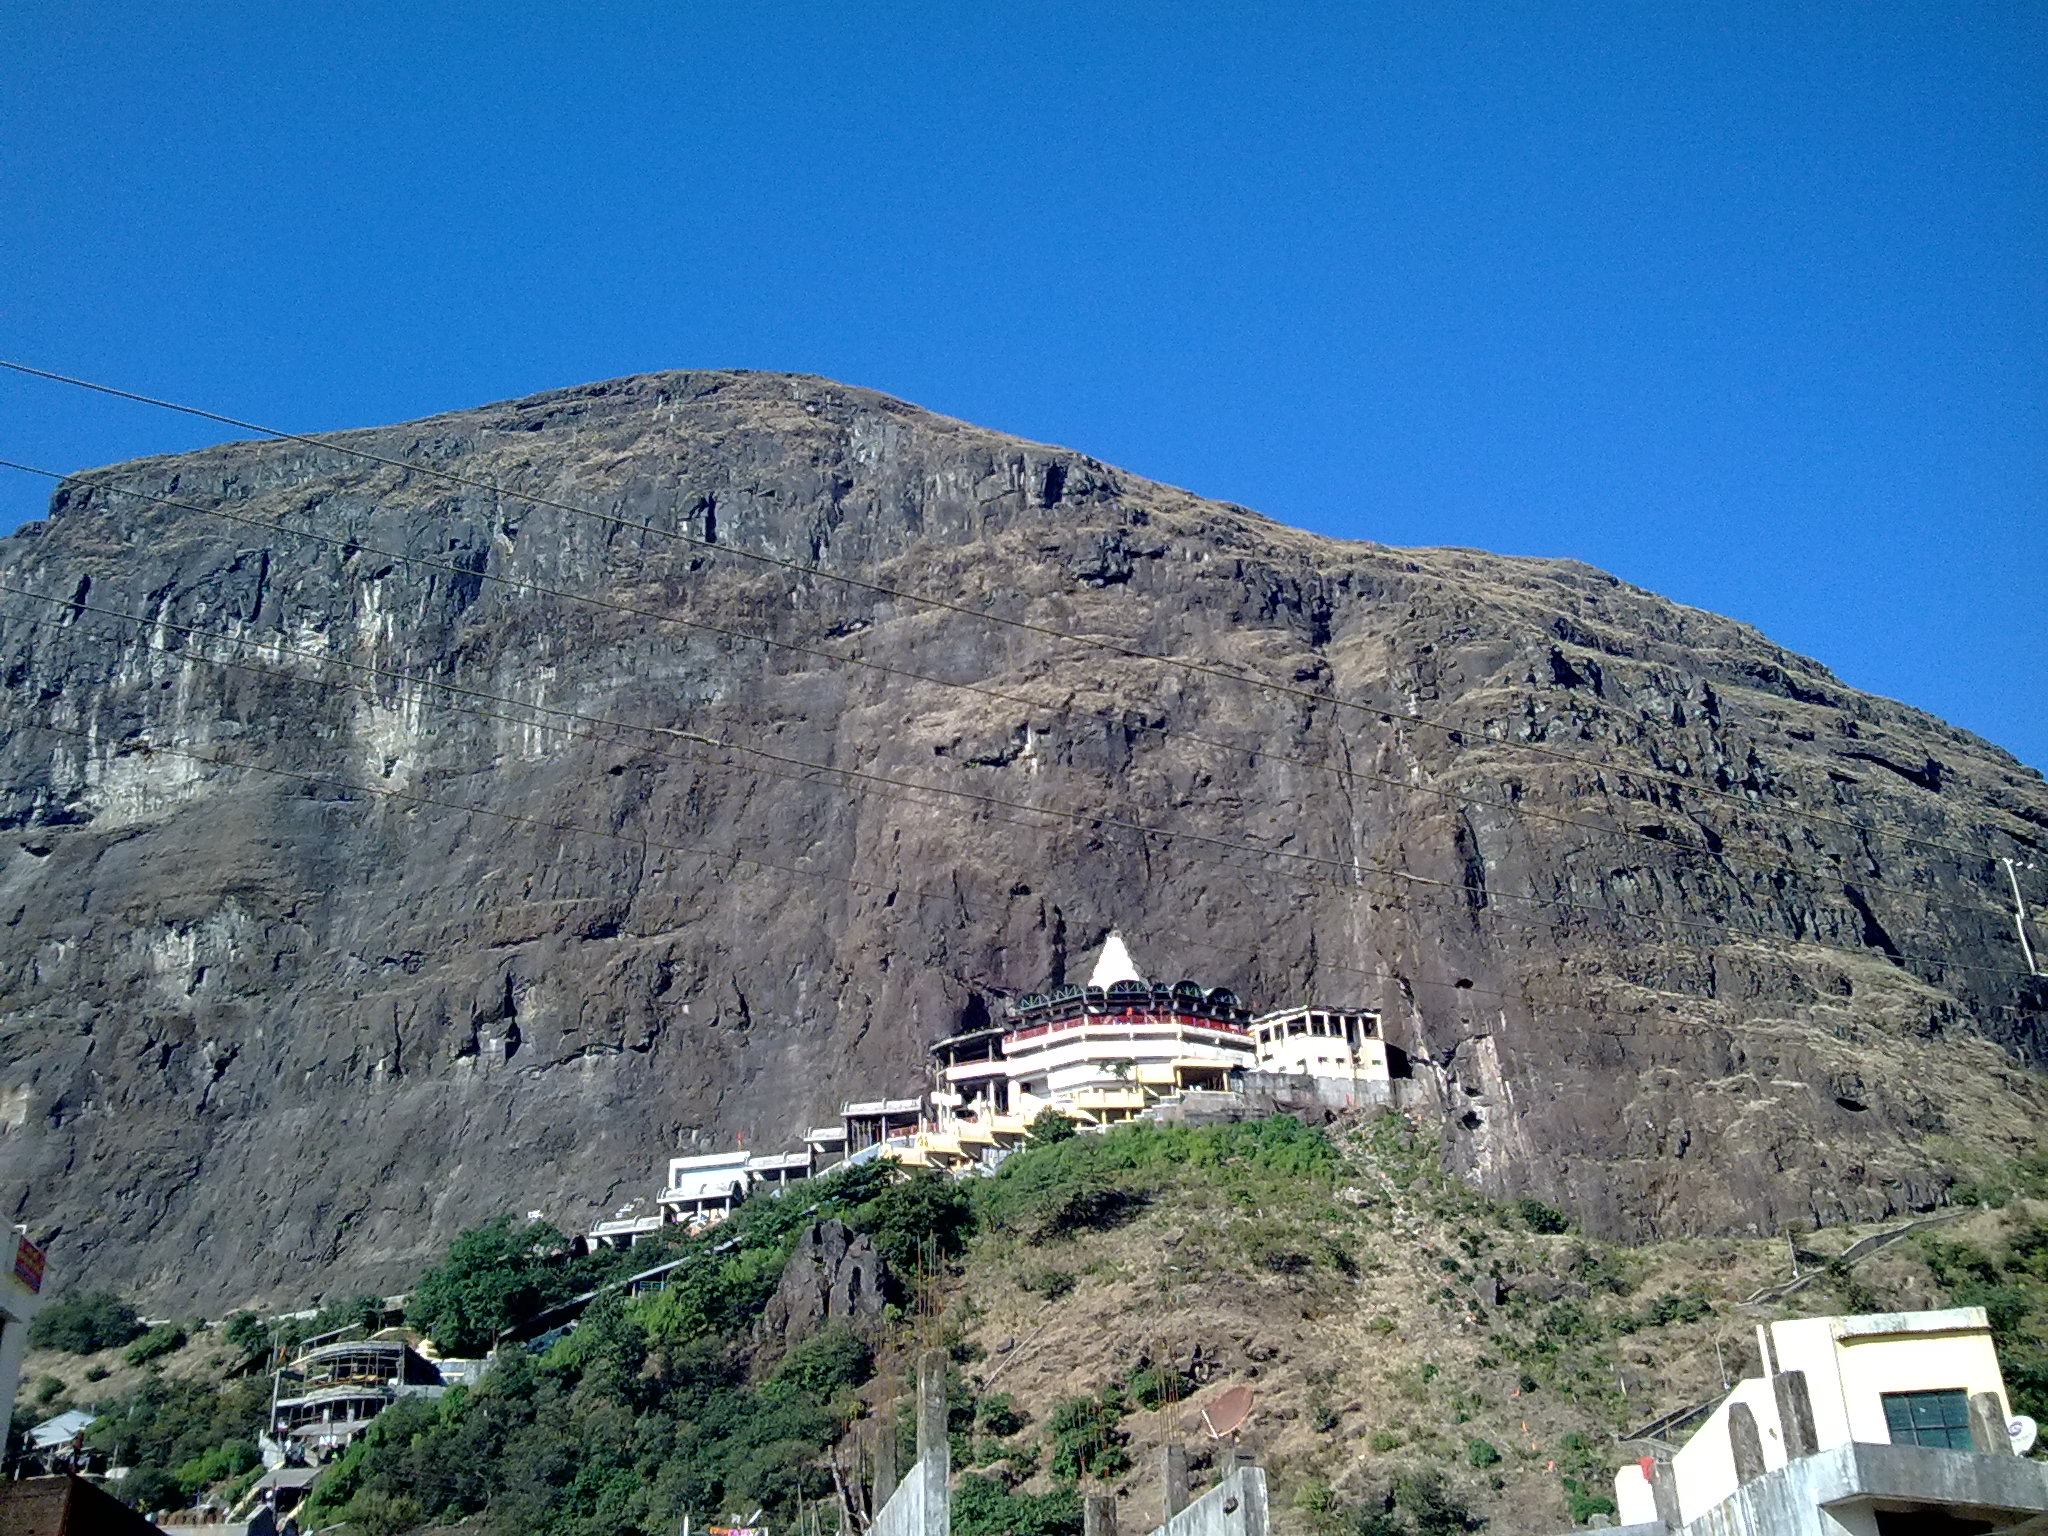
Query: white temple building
{"points": [[1112, 1048], [1109, 1050]]}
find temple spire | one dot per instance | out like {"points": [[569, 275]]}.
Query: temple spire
{"points": [[1113, 964]]}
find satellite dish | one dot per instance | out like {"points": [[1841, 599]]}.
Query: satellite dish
{"points": [[1226, 1415], [2024, 1432]]}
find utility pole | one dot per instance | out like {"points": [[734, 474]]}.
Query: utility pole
{"points": [[2019, 916]]}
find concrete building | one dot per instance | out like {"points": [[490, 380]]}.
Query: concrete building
{"points": [[1890, 1424], [630, 1224], [1102, 1052], [329, 1395], [1322, 1042], [878, 1121], [703, 1189], [21, 1297], [826, 1144]]}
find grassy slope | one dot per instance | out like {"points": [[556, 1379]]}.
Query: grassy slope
{"points": [[1389, 1319], [1359, 1308]]}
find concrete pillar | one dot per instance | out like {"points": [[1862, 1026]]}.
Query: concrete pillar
{"points": [[13, 1348], [1795, 1414], [1098, 1515], [1987, 1425], [1746, 1443], [1664, 1489], [882, 1453], [931, 1404], [1173, 1480]]}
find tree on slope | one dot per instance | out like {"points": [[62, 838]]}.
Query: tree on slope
{"points": [[494, 1276]]}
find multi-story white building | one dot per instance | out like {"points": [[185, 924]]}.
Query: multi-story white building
{"points": [[1101, 1052], [329, 1395], [707, 1188], [1108, 1050], [1893, 1422], [1322, 1042]]}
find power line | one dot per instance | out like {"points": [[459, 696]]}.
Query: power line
{"points": [[1097, 823], [1457, 734], [77, 605], [353, 547]]}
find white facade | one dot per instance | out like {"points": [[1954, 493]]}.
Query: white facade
{"points": [[20, 1301], [1883, 1379], [703, 1189], [1322, 1042], [1127, 1050]]}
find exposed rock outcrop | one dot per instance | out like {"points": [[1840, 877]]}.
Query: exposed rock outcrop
{"points": [[384, 850], [833, 1278]]}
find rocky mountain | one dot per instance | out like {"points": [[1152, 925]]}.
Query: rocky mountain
{"points": [[386, 849]]}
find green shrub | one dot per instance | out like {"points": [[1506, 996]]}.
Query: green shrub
{"points": [[998, 1415], [1671, 1307], [1086, 1441], [1051, 1128], [97, 1373], [48, 1390], [1088, 1206], [1417, 1504], [245, 1334], [1424, 1499], [984, 1507], [378, 1513], [1154, 1386], [1584, 1502], [164, 1339], [1538, 1217], [1080, 1182], [149, 1489], [493, 1277], [1384, 1440], [86, 1323], [920, 1219], [1482, 1453], [231, 1458], [832, 1360], [1052, 1284]]}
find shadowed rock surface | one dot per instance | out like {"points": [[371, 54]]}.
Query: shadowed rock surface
{"points": [[833, 1278], [278, 994]]}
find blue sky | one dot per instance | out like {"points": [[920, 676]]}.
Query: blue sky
{"points": [[1744, 303]]}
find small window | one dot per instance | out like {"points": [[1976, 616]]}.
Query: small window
{"points": [[1939, 1419]]}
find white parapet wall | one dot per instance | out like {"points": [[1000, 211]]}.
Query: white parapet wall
{"points": [[1234, 1507], [1840, 1492]]}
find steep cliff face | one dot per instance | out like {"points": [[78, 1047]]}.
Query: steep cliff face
{"points": [[383, 851]]}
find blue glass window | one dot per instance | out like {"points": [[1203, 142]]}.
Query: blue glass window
{"points": [[1939, 1419]]}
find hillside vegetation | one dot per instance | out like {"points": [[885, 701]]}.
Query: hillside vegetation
{"points": [[1424, 1360]]}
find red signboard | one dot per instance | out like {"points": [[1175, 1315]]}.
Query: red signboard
{"points": [[28, 1264]]}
